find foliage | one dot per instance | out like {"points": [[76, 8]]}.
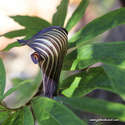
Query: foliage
{"points": [[81, 54]]}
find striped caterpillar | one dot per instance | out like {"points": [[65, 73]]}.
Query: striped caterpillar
{"points": [[50, 45]]}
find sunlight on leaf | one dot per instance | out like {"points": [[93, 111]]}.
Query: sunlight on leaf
{"points": [[99, 25], [82, 83], [110, 53]]}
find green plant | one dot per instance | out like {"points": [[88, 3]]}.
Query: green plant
{"points": [[81, 54]]}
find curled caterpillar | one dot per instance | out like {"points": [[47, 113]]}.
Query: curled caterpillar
{"points": [[50, 45]]}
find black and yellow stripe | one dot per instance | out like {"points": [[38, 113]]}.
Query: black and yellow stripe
{"points": [[50, 45]]}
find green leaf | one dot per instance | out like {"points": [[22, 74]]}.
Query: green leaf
{"points": [[10, 46], [21, 117], [23, 95], [60, 15], [4, 113], [48, 111], [110, 53], [11, 119], [24, 117], [82, 83], [16, 33], [15, 88], [32, 26], [2, 108], [117, 77], [77, 15], [99, 25], [2, 78], [31, 22], [100, 107], [68, 60], [15, 81], [28, 33]]}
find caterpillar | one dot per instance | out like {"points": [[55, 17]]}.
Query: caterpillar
{"points": [[50, 45]]}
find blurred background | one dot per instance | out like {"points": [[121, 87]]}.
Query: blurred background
{"points": [[17, 62]]}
